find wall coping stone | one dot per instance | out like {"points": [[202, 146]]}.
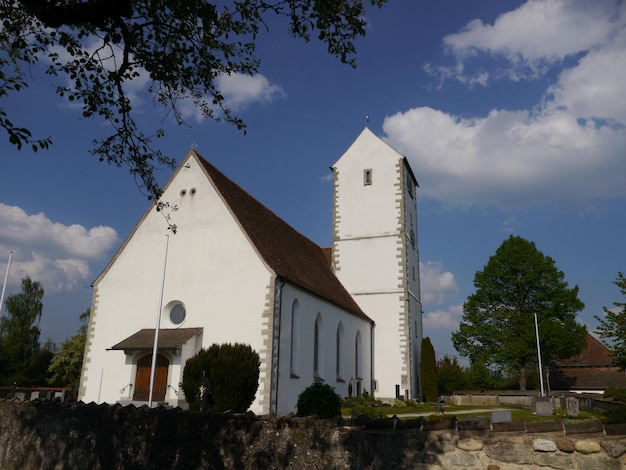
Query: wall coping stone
{"points": [[584, 428], [545, 426]]}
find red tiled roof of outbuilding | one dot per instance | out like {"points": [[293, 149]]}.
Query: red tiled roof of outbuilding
{"points": [[594, 354], [592, 369]]}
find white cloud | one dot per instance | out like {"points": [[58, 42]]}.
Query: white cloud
{"points": [[57, 255], [443, 319], [242, 90], [595, 88], [435, 283], [239, 91], [567, 148], [534, 36], [510, 225], [510, 159]]}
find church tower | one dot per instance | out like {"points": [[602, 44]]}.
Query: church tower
{"points": [[375, 256]]}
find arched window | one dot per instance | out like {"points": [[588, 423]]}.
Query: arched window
{"points": [[357, 356], [317, 349], [294, 350], [339, 356]]}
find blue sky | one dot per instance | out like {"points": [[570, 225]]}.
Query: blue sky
{"points": [[512, 115]]}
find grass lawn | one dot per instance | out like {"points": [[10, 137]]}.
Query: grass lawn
{"points": [[430, 412]]}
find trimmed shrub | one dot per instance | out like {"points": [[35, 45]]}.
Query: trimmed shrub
{"points": [[365, 405], [319, 399], [615, 415], [428, 371], [616, 393], [233, 373]]}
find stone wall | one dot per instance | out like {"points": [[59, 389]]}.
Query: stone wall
{"points": [[40, 435]]}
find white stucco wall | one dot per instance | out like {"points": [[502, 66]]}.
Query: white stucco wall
{"points": [[211, 267], [293, 380]]}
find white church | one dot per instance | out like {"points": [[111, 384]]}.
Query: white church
{"points": [[234, 272]]}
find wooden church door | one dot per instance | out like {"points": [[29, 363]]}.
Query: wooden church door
{"points": [[142, 379]]}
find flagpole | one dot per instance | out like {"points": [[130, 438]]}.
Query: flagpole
{"points": [[158, 324], [6, 278], [539, 356]]}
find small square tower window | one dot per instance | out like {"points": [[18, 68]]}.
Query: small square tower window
{"points": [[367, 177]]}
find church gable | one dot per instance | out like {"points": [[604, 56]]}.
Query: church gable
{"points": [[196, 217]]}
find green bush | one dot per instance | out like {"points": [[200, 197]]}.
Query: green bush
{"points": [[428, 371], [616, 393], [233, 372], [369, 411], [615, 415], [319, 399], [365, 405]]}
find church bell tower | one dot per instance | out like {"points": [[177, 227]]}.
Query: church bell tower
{"points": [[375, 256]]}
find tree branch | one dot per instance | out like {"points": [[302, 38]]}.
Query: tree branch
{"points": [[94, 12]]}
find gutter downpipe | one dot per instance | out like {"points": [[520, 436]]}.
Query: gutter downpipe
{"points": [[372, 356], [278, 308]]}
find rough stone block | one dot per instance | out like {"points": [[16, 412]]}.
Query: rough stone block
{"points": [[587, 447], [510, 452], [460, 460], [597, 462], [544, 445], [555, 461], [470, 444], [564, 444], [614, 448]]}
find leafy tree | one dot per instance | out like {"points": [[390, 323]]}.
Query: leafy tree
{"points": [[66, 365], [233, 373], [450, 375], [19, 332], [182, 47], [612, 327], [428, 371], [498, 322], [479, 377], [319, 399]]}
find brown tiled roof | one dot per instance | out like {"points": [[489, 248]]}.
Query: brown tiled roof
{"points": [[586, 378], [592, 369], [594, 354], [328, 253], [168, 339], [288, 253]]}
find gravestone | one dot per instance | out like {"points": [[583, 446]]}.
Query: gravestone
{"points": [[544, 408], [571, 404], [501, 416]]}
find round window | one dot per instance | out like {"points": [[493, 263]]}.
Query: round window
{"points": [[177, 314]]}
